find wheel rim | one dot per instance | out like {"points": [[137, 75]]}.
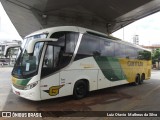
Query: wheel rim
{"points": [[142, 78], [137, 80], [80, 90]]}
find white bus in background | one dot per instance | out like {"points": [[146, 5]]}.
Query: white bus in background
{"points": [[68, 60], [11, 58]]}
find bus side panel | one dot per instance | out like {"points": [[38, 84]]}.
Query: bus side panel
{"points": [[111, 69], [102, 81], [50, 87], [132, 67], [68, 78], [148, 70]]}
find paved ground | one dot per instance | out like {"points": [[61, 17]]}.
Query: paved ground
{"points": [[144, 97]]}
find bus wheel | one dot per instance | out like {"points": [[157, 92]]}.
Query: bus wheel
{"points": [[142, 78], [136, 82], [80, 89]]}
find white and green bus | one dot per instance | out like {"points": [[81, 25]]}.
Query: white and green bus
{"points": [[70, 60]]}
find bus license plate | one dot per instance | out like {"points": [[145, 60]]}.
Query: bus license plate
{"points": [[17, 93]]}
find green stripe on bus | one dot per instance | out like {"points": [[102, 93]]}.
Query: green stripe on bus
{"points": [[110, 67], [22, 82]]}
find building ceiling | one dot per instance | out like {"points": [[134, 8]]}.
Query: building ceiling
{"points": [[102, 15]]}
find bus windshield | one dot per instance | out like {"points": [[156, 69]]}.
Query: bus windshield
{"points": [[27, 64]]}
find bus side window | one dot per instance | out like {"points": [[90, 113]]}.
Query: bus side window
{"points": [[107, 48], [131, 52], [120, 50], [143, 55], [71, 41], [89, 45]]}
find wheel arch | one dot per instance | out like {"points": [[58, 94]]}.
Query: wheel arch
{"points": [[82, 79], [80, 88]]}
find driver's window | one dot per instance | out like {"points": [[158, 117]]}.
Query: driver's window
{"points": [[48, 59], [51, 59], [56, 56]]}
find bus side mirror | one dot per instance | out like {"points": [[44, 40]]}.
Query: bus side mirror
{"points": [[7, 49]]}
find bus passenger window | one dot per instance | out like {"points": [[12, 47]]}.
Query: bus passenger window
{"points": [[120, 50], [144, 55], [107, 48], [89, 45], [71, 40], [131, 52]]}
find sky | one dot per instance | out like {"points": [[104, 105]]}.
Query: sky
{"points": [[148, 29], [7, 30]]}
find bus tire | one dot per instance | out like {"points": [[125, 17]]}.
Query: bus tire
{"points": [[137, 79], [142, 78], [80, 89]]}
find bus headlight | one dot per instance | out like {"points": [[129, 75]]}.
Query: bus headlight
{"points": [[30, 86]]}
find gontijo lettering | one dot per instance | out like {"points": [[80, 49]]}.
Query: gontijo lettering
{"points": [[135, 63]]}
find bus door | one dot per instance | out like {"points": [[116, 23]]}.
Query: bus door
{"points": [[49, 78]]}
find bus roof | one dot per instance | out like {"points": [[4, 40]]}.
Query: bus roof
{"points": [[82, 30], [65, 28]]}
